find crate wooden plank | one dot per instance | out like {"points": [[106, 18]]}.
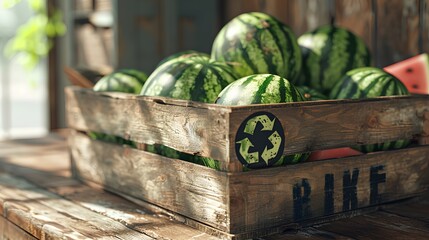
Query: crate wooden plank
{"points": [[316, 189], [358, 17], [336, 185], [209, 130], [341, 123], [401, 40], [177, 185], [424, 24], [189, 127]]}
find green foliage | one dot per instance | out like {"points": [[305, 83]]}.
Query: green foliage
{"points": [[34, 39]]}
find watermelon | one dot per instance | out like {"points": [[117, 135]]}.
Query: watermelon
{"points": [[369, 82], [255, 43], [333, 153], [413, 73], [198, 79], [123, 80], [310, 94], [261, 89], [183, 54], [328, 53]]}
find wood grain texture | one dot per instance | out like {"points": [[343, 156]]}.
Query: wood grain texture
{"points": [[331, 124], [209, 130], [187, 127], [358, 17], [379, 226], [424, 23], [306, 15], [397, 30], [9, 231], [265, 197], [183, 187], [40, 170], [45, 215], [259, 201]]}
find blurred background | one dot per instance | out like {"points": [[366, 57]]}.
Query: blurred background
{"points": [[39, 38]]}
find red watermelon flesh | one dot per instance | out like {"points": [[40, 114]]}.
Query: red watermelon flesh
{"points": [[333, 153], [413, 72]]}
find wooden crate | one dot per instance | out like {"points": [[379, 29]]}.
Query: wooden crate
{"points": [[236, 204]]}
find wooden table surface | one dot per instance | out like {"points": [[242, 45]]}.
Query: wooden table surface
{"points": [[40, 200]]}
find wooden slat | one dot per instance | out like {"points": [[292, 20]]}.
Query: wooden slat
{"points": [[397, 30], [358, 17], [307, 233], [47, 174], [256, 197], [189, 129], [209, 129], [10, 231], [329, 125], [306, 15], [266, 197], [379, 226], [418, 209], [183, 187], [424, 23], [46, 215], [237, 7]]}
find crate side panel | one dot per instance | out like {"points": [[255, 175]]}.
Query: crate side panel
{"points": [[317, 126], [277, 196], [195, 130], [188, 189]]}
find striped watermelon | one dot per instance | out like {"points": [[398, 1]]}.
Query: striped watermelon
{"points": [[184, 54], [369, 82], [123, 80], [197, 79], [328, 53], [310, 94], [263, 88], [258, 43]]}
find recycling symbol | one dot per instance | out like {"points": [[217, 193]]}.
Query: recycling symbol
{"points": [[259, 141]]}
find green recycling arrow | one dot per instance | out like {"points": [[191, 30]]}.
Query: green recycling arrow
{"points": [[263, 119], [245, 144], [271, 153]]}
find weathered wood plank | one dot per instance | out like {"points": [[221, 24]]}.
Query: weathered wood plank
{"points": [[235, 8], [358, 17], [312, 190], [424, 24], [397, 30], [9, 231], [306, 15], [374, 177], [46, 215], [418, 210], [306, 233], [331, 124], [190, 129], [180, 186], [379, 226], [209, 129]]}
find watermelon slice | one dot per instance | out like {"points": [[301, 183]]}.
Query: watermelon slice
{"points": [[413, 72], [333, 153]]}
